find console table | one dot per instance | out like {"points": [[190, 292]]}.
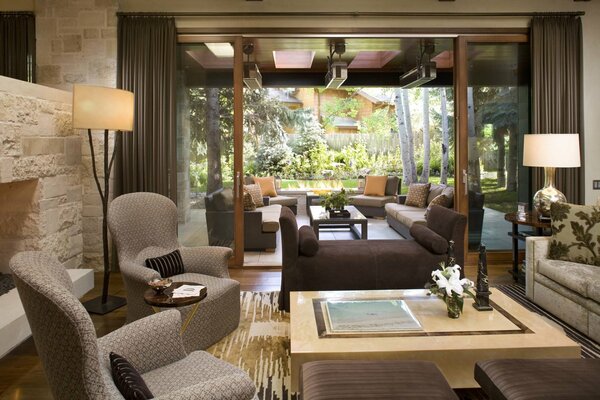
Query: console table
{"points": [[529, 219]]}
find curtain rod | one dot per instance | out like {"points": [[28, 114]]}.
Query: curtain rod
{"points": [[349, 14]]}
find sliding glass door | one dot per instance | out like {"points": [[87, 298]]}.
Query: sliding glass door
{"points": [[207, 146], [494, 87]]}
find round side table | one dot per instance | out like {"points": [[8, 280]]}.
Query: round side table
{"points": [[166, 300]]}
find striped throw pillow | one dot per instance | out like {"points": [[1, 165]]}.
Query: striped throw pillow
{"points": [[127, 379], [168, 265]]}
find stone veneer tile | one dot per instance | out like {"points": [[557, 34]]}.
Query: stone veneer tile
{"points": [[33, 146], [72, 43], [72, 150]]}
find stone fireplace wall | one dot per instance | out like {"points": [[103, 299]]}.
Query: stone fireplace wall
{"points": [[41, 187]]}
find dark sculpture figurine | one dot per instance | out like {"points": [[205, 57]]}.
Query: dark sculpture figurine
{"points": [[450, 260], [482, 294]]}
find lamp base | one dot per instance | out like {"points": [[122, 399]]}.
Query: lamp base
{"points": [[544, 198], [95, 306]]}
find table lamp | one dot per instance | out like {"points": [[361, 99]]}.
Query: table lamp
{"points": [[105, 109], [550, 150]]}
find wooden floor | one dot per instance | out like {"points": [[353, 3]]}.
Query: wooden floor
{"points": [[21, 374]]}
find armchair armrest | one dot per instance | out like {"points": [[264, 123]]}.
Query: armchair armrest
{"points": [[207, 260], [536, 248], [136, 272], [237, 386], [148, 343], [401, 199]]}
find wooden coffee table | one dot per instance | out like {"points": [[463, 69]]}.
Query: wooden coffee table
{"points": [[319, 217], [509, 331]]}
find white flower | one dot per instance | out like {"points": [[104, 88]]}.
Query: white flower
{"points": [[449, 280]]}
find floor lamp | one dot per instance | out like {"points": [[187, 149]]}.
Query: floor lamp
{"points": [[550, 151], [102, 108]]}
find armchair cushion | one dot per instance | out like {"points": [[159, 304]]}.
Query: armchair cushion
{"points": [[417, 195], [375, 185], [267, 185], [307, 240], [574, 229], [429, 239], [392, 185], [167, 265], [129, 382]]}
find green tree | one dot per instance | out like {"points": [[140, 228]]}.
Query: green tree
{"points": [[340, 107]]}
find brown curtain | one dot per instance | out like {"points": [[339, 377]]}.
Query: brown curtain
{"points": [[17, 45], [146, 65], [556, 43]]}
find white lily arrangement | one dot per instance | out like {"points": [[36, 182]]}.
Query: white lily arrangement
{"points": [[448, 285]]}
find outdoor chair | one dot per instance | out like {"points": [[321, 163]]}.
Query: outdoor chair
{"points": [[144, 225], [76, 362]]}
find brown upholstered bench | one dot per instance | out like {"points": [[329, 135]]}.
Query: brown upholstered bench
{"points": [[382, 380], [546, 379]]}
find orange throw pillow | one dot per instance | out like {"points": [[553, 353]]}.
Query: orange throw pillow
{"points": [[267, 185], [375, 185]]}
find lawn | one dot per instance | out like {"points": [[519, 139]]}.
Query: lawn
{"points": [[296, 184]]}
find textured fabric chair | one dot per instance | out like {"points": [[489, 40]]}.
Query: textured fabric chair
{"points": [[76, 363], [144, 225]]}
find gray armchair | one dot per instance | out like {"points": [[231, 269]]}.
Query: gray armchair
{"points": [[144, 225], [76, 363]]}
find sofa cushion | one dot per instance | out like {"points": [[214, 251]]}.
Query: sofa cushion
{"points": [[435, 191], [307, 241], [449, 193], [409, 218], [392, 209], [254, 191], [267, 185], [594, 289], [392, 185], [270, 217], [417, 194], [573, 276], [441, 200], [429, 239], [248, 201], [446, 222], [284, 200], [375, 185], [574, 232], [371, 201]]}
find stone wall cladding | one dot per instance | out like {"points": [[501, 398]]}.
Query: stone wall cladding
{"points": [[40, 174], [77, 44]]}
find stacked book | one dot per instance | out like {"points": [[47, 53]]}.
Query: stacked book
{"points": [[189, 291]]}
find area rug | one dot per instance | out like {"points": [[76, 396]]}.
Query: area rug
{"points": [[6, 283], [261, 346]]}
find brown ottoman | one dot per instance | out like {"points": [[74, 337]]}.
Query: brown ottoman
{"points": [[539, 379], [345, 379]]}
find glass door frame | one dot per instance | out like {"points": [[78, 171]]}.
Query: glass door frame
{"points": [[461, 82]]}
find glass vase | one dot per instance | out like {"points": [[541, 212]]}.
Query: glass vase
{"points": [[453, 306]]}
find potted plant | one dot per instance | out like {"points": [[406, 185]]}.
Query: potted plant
{"points": [[448, 285], [335, 202]]}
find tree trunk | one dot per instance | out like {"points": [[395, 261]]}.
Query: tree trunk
{"points": [[445, 137], [410, 135], [474, 171], [402, 137], [513, 159], [213, 141], [426, 140], [501, 162]]}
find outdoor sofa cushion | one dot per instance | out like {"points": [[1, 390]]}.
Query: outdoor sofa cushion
{"points": [[372, 201], [418, 194], [283, 200], [270, 217], [375, 185], [267, 185]]}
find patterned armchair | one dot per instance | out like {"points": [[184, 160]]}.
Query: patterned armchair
{"points": [[76, 363], [144, 225]]}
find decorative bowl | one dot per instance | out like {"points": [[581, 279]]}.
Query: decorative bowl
{"points": [[159, 285]]}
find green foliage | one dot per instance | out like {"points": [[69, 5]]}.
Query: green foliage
{"points": [[340, 107], [335, 200], [273, 156], [381, 122]]}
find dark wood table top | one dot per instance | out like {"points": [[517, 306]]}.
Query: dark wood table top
{"points": [[529, 219], [165, 298]]}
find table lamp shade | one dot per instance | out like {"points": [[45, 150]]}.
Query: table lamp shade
{"points": [[96, 107], [558, 150]]}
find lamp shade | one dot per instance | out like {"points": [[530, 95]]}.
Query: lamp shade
{"points": [[558, 150], [96, 107]]}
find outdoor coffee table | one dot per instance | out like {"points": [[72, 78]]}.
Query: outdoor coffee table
{"points": [[509, 331], [319, 217]]}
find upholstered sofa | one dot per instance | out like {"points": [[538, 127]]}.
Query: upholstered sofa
{"points": [[373, 206], [289, 201], [569, 290], [401, 217], [260, 225], [365, 264]]}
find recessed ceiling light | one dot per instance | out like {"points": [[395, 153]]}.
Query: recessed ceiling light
{"points": [[293, 58], [221, 50], [373, 59]]}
